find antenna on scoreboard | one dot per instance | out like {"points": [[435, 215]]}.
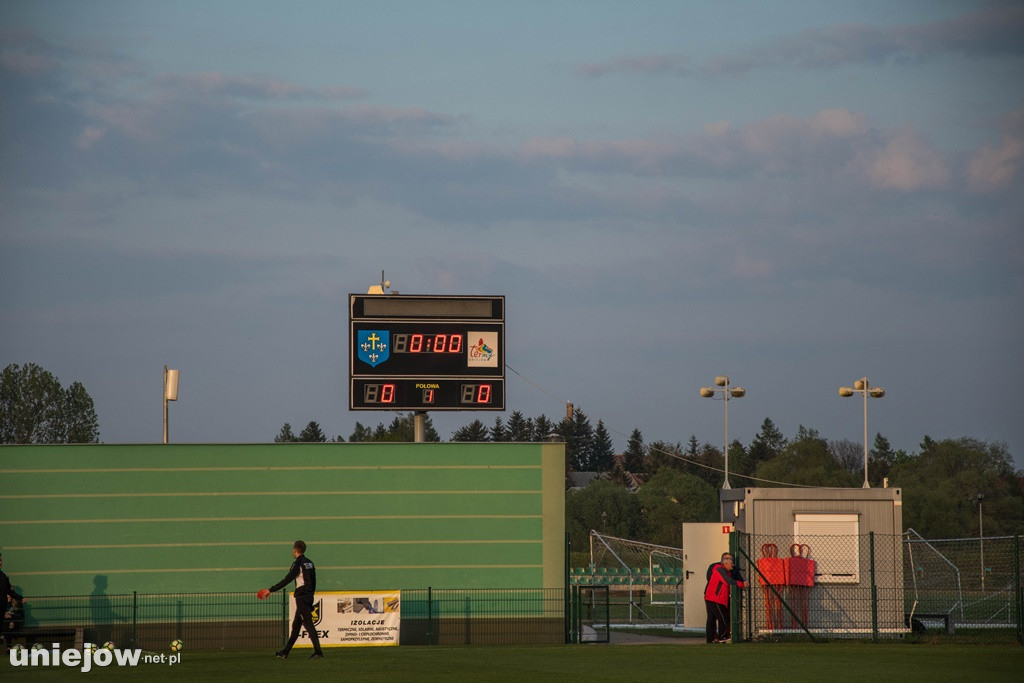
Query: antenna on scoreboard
{"points": [[379, 289]]}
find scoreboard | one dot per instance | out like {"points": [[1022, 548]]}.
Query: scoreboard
{"points": [[426, 352]]}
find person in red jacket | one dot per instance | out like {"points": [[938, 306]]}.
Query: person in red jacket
{"points": [[721, 576]]}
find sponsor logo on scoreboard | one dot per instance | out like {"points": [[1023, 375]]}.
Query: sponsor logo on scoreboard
{"points": [[483, 349], [373, 347]]}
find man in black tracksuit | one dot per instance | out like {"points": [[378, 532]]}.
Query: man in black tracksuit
{"points": [[304, 574]]}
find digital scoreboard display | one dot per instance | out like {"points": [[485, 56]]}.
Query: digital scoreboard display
{"points": [[426, 352]]}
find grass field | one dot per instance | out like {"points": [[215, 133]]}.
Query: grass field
{"points": [[682, 661]]}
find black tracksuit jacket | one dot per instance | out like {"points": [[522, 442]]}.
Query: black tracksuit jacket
{"points": [[303, 573]]}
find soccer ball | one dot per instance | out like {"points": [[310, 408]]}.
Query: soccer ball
{"points": [[108, 646], [17, 647], [38, 646], [177, 645]]}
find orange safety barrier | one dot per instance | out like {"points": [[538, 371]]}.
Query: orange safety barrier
{"points": [[774, 570], [800, 577]]}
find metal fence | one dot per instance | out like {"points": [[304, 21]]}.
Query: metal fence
{"points": [[879, 586], [152, 621], [213, 621], [505, 616]]}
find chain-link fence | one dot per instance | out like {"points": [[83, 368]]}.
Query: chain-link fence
{"points": [[214, 621], [880, 586], [152, 621]]}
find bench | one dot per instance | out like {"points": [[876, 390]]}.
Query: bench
{"points": [[940, 616], [47, 635]]}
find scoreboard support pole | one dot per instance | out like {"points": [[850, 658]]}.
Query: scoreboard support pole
{"points": [[419, 424]]}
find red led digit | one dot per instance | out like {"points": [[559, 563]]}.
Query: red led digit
{"points": [[455, 345], [428, 395], [416, 344], [440, 342], [387, 393], [483, 393]]}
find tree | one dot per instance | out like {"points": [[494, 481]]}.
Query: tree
{"points": [[806, 461], [881, 458], [604, 449], [402, 428], [312, 433], [602, 506], [941, 486], [661, 454], [848, 454], [475, 431], [767, 444], [498, 431], [633, 458], [739, 459], [286, 435], [670, 498], [360, 434], [579, 441], [36, 409], [542, 428], [519, 429]]}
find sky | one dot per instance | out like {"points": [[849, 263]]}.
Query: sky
{"points": [[793, 194]]}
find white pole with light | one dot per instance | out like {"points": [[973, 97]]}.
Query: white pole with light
{"points": [[170, 393], [862, 386], [727, 393]]}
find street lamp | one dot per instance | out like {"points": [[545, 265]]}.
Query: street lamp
{"points": [[861, 386], [170, 393], [727, 393]]}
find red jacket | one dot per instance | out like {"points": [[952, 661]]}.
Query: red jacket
{"points": [[718, 584]]}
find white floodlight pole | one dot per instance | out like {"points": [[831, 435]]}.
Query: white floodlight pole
{"points": [[727, 393], [862, 386]]}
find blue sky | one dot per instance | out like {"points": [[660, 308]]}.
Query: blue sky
{"points": [[795, 194]]}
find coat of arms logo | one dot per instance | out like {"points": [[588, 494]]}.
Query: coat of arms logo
{"points": [[373, 347]]}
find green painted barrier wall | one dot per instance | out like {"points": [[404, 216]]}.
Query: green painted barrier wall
{"points": [[110, 519]]}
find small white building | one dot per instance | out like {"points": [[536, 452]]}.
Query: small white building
{"points": [[854, 537]]}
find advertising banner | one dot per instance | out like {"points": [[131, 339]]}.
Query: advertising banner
{"points": [[353, 618]]}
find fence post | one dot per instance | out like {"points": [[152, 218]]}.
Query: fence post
{"points": [[735, 623], [135, 619], [567, 607], [1018, 595], [284, 618], [874, 590], [430, 616]]}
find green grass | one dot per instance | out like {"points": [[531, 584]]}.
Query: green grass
{"points": [[685, 660]]}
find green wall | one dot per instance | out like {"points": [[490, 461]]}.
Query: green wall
{"points": [[205, 518]]}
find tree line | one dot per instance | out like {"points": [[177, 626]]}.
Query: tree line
{"points": [[648, 490]]}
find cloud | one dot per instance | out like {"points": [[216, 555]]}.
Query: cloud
{"points": [[993, 168], [216, 84], [904, 163], [992, 31]]}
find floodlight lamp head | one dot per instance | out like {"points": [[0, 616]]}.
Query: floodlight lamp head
{"points": [[721, 380], [845, 392], [859, 385], [877, 392], [738, 392], [707, 392]]}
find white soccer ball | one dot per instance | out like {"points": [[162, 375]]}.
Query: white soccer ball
{"points": [[177, 645], [36, 646]]}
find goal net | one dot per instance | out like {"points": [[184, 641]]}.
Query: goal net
{"points": [[655, 569]]}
